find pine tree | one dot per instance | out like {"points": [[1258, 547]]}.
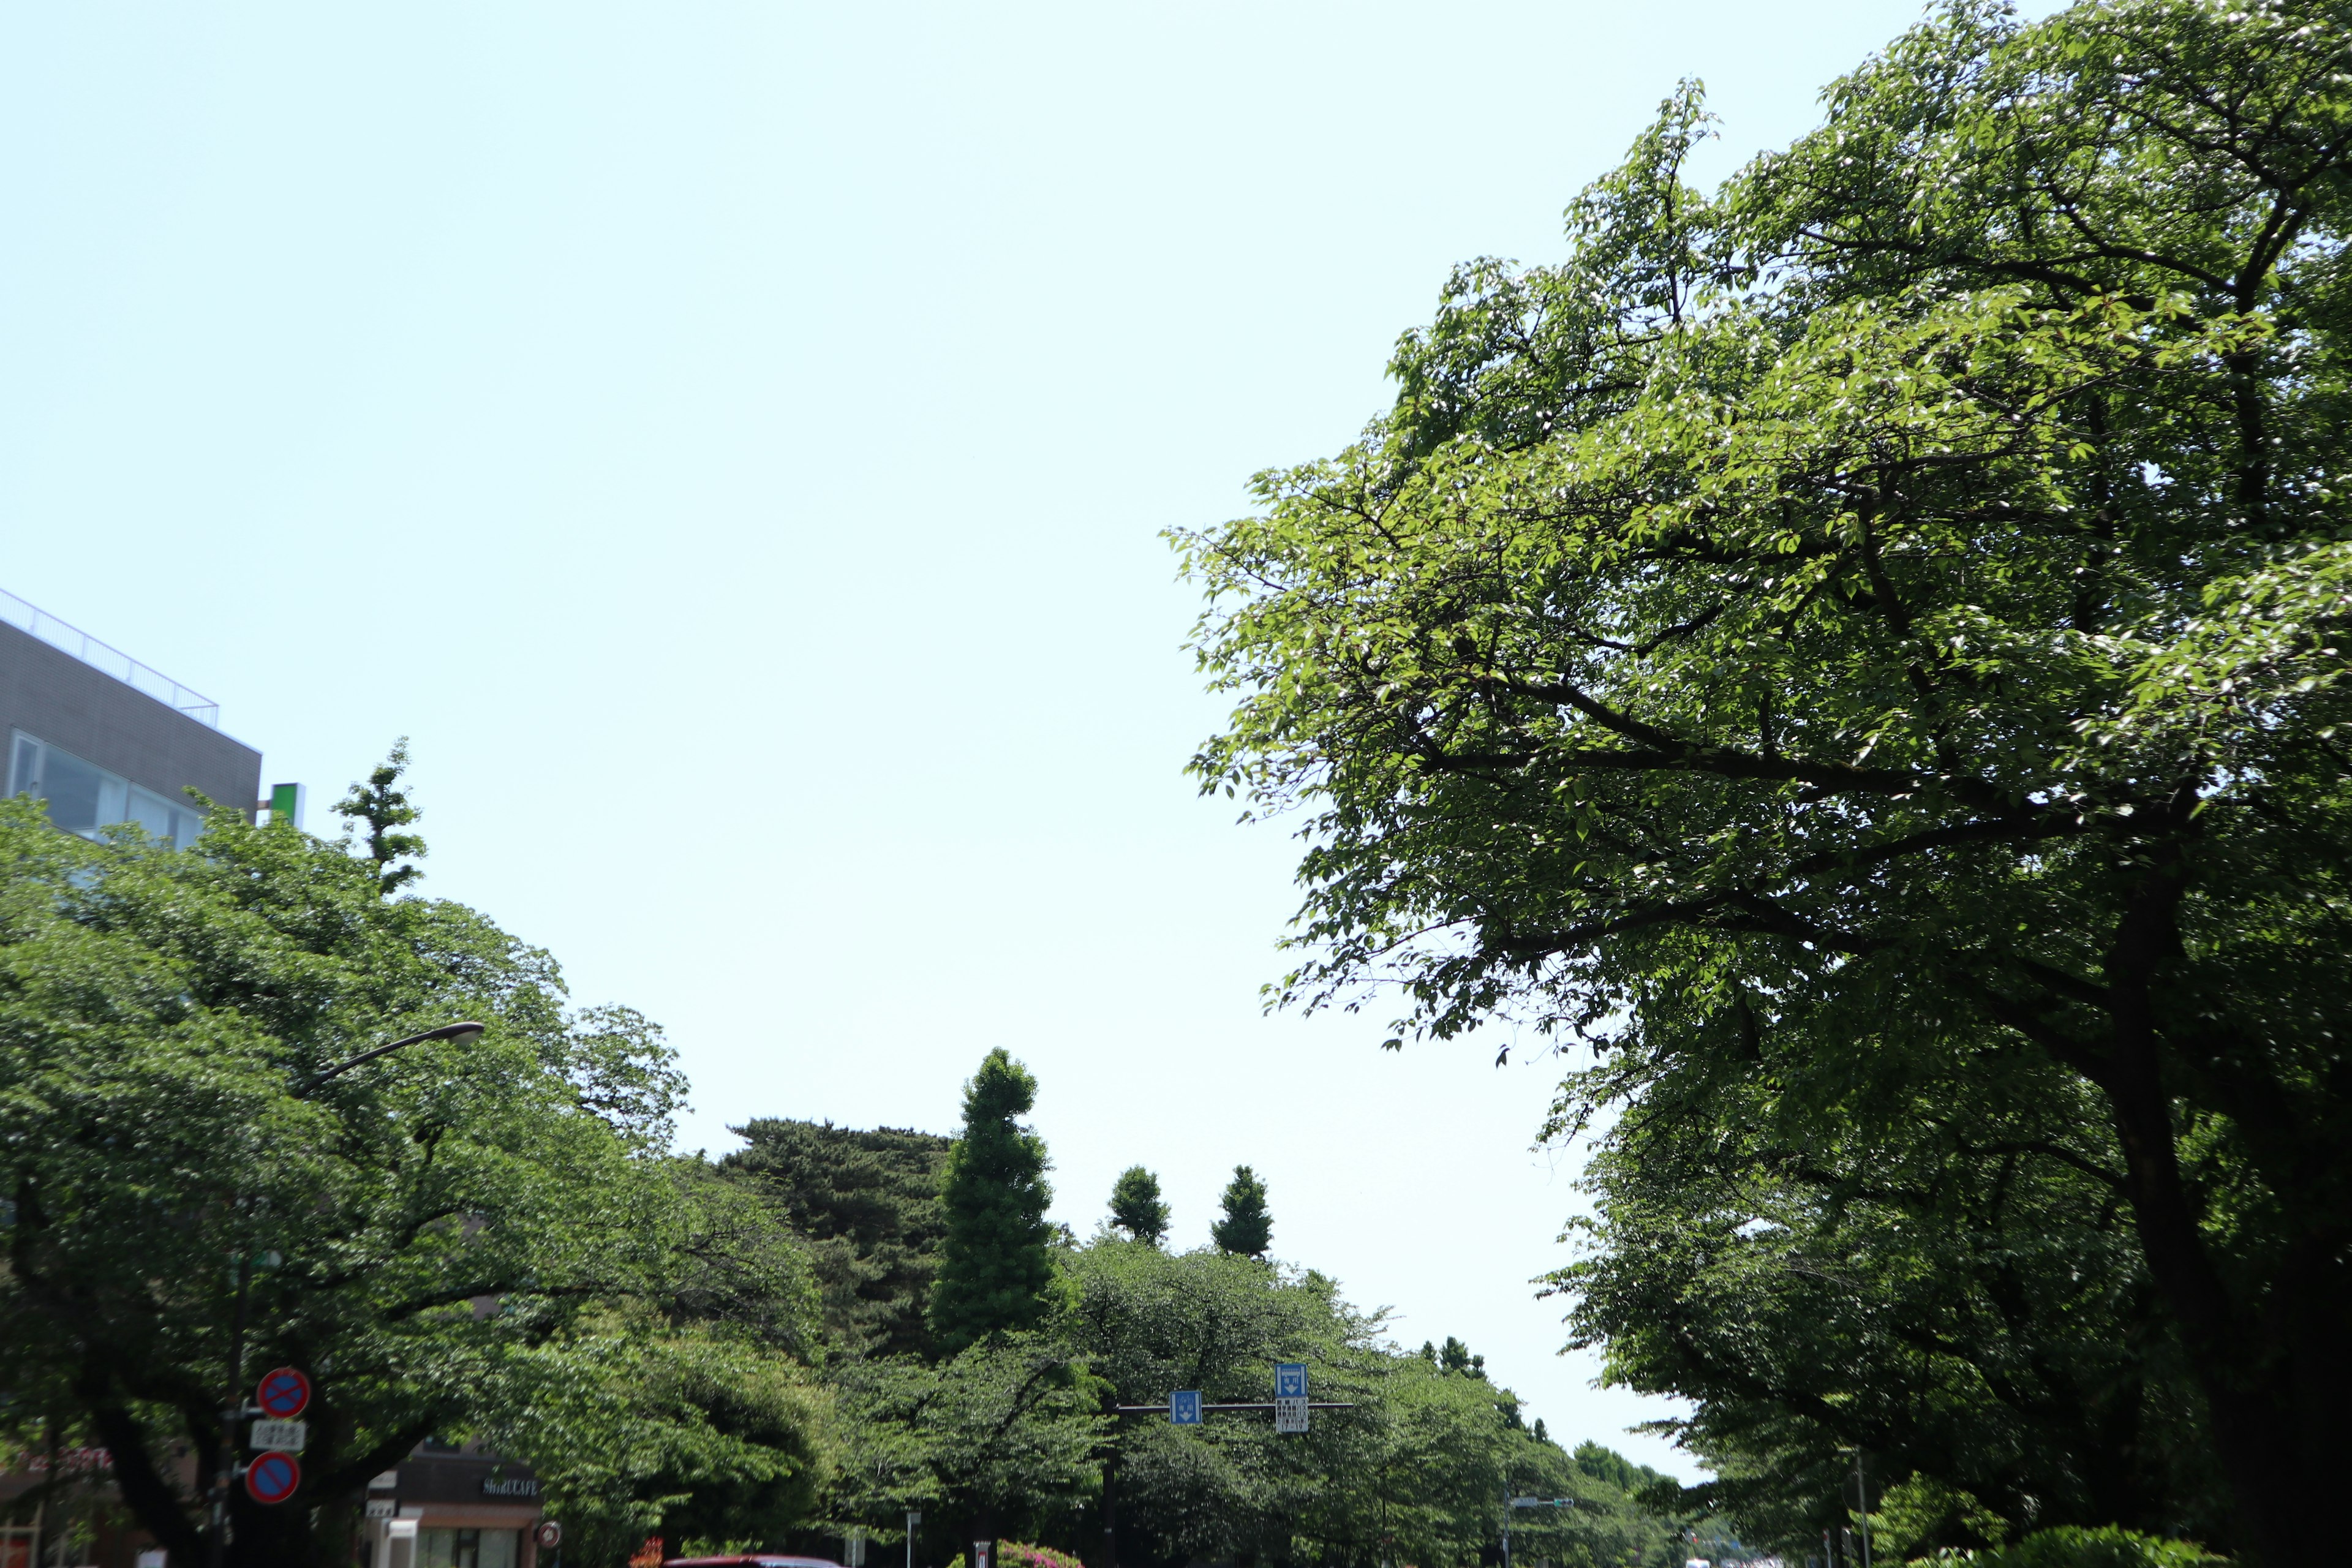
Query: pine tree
{"points": [[1136, 1207], [384, 807], [1247, 1228], [1455, 1357], [867, 1199], [993, 1264]]}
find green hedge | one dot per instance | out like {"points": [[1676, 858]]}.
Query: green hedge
{"points": [[2106, 1547]]}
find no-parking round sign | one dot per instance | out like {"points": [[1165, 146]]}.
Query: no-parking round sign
{"points": [[272, 1476], [284, 1393]]}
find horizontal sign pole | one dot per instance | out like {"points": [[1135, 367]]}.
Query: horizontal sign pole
{"points": [[1162, 1408]]}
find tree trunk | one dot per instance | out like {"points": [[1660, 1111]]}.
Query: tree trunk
{"points": [[2256, 1388], [145, 1491]]}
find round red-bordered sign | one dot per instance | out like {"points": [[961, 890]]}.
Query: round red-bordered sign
{"points": [[284, 1393], [550, 1533], [272, 1476]]}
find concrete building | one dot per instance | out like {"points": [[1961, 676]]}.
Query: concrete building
{"points": [[104, 738]]}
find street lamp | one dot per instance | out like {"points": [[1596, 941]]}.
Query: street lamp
{"points": [[465, 1032]]}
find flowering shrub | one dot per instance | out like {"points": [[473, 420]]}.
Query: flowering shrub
{"points": [[1021, 1555]]}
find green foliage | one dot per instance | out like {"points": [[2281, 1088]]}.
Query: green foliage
{"points": [[430, 1235], [1880, 626], [1136, 1206], [993, 1269], [1616, 1521], [1923, 1511], [384, 807], [999, 1435], [1413, 1473], [1016, 1434], [1245, 1227], [1833, 1259], [1613, 1469], [637, 1430], [1454, 1357], [2072, 1546], [867, 1200]]}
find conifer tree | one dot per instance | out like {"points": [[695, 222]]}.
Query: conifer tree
{"points": [[1136, 1206], [1247, 1228], [384, 807], [993, 1266], [1455, 1357]]}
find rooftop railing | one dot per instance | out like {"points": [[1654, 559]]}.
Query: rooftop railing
{"points": [[106, 658]]}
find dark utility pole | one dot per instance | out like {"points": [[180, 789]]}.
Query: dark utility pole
{"points": [[231, 1407]]}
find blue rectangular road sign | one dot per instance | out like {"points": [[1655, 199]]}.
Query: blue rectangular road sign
{"points": [[1184, 1407], [1290, 1380]]}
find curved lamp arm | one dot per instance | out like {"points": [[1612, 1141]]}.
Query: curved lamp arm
{"points": [[466, 1031]]}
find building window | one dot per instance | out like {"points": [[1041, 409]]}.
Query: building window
{"points": [[438, 1548], [83, 797]]}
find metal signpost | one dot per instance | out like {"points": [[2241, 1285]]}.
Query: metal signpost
{"points": [[856, 1546], [1862, 1502], [276, 1474], [1511, 1502], [914, 1524], [1185, 1408]]}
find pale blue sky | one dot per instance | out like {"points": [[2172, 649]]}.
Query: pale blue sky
{"points": [[730, 441]]}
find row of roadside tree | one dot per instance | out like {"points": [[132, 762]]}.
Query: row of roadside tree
{"points": [[491, 1240]]}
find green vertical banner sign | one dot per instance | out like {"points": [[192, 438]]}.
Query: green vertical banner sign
{"points": [[286, 803]]}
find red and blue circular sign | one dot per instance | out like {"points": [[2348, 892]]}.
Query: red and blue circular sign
{"points": [[272, 1476], [284, 1393]]}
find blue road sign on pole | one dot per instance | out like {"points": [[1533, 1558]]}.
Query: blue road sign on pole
{"points": [[1184, 1407], [1290, 1380]]}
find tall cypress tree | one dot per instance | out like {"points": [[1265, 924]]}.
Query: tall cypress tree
{"points": [[1136, 1206], [994, 1267], [1247, 1228]]}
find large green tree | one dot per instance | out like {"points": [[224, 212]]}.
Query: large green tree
{"points": [[1023, 1432], [998, 1438], [192, 1157], [1415, 1472], [1243, 1225], [1822, 1259], [1896, 599], [994, 1267], [867, 1199], [1137, 1207]]}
